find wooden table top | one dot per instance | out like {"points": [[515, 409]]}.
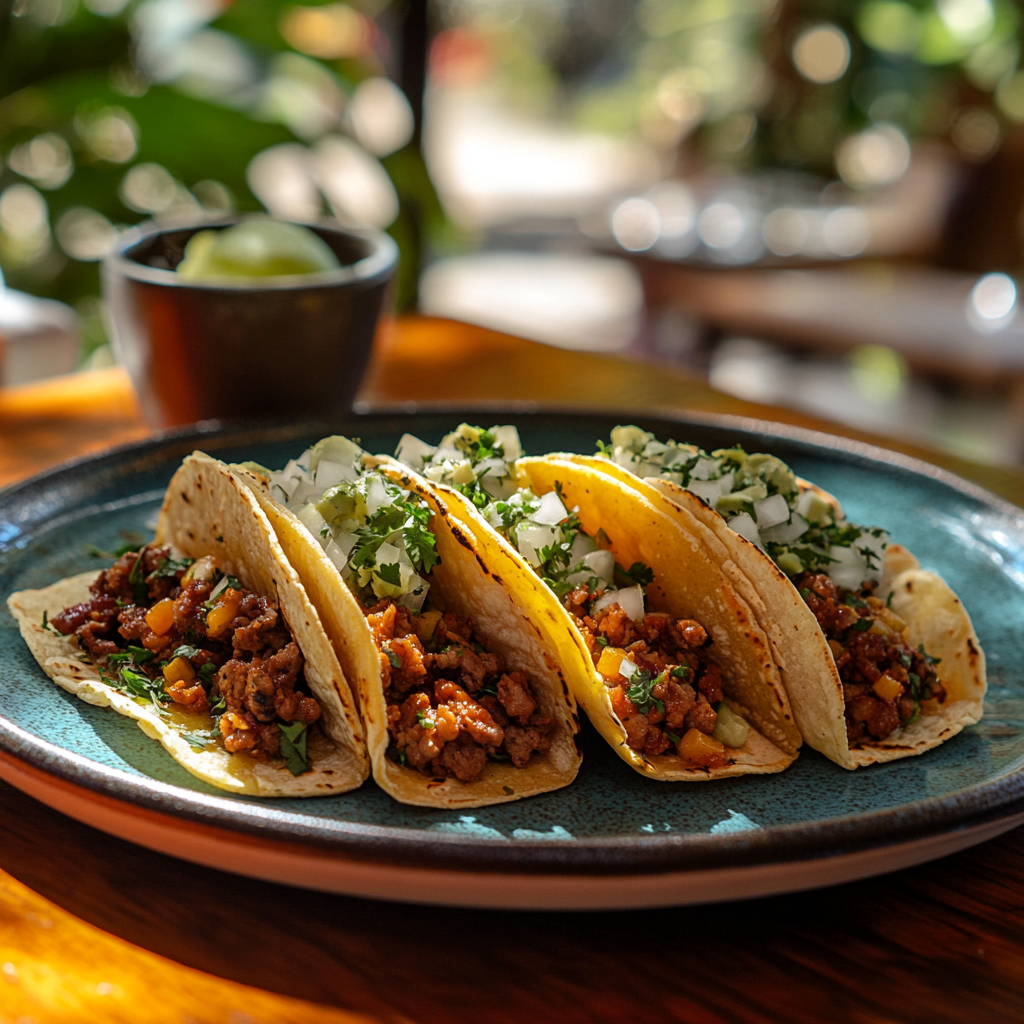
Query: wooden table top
{"points": [[95, 929]]}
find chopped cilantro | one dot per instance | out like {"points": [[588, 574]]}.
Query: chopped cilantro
{"points": [[488, 690], [207, 671], [680, 672], [219, 705], [135, 655], [169, 567], [862, 624], [139, 589], [888, 600], [851, 599], [425, 720], [48, 627], [636, 573], [640, 692], [927, 657], [393, 657], [604, 449], [674, 738], [197, 740], [915, 685], [390, 574], [602, 641], [293, 746], [805, 593], [185, 651]]}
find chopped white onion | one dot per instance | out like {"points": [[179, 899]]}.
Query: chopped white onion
{"points": [[551, 511], [630, 600], [703, 469], [220, 586], [601, 563], [312, 521], [376, 494], [726, 481], [328, 474], [848, 568], [804, 502], [709, 490], [413, 452], [531, 538], [876, 545], [785, 533], [338, 552], [746, 527], [337, 449], [771, 511], [508, 438], [627, 668]]}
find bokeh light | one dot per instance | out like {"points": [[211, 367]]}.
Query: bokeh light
{"points": [[992, 302], [85, 234], [976, 133], [110, 133], [148, 188], [380, 115], [330, 32], [46, 160], [24, 223], [878, 156], [822, 54], [1010, 97], [889, 26], [635, 224], [879, 373], [968, 21]]}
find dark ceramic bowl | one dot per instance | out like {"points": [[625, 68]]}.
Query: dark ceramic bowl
{"points": [[273, 347]]}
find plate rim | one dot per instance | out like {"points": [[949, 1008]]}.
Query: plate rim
{"points": [[995, 798]]}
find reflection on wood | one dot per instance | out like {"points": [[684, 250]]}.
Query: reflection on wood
{"points": [[57, 969]]}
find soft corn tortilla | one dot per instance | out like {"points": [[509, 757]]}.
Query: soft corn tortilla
{"points": [[934, 615], [688, 584], [464, 582], [207, 511]]}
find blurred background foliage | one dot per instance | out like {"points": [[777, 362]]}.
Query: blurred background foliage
{"points": [[113, 113]]}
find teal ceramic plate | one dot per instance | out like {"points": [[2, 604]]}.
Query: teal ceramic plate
{"points": [[612, 838]]}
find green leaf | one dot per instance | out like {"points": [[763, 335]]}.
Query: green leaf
{"points": [[197, 740], [638, 572], [394, 658], [680, 672], [48, 627], [185, 651], [927, 657], [861, 625], [425, 720], [640, 692], [139, 589], [293, 746], [169, 568], [390, 573]]}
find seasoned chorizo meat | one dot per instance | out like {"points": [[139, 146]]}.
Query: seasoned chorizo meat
{"points": [[452, 705], [182, 633], [663, 686], [886, 683]]}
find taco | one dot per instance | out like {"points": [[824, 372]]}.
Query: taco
{"points": [[462, 705], [659, 648], [206, 638], [879, 656]]}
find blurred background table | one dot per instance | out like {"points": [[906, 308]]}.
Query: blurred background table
{"points": [[939, 943]]}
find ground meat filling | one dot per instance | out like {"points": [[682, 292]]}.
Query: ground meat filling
{"points": [[886, 683], [668, 706], [242, 662], [451, 704]]}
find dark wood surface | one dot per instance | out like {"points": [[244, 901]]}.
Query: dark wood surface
{"points": [[939, 943]]}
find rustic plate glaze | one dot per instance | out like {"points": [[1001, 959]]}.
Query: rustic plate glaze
{"points": [[612, 838]]}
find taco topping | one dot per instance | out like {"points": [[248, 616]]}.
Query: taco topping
{"points": [[835, 565], [759, 497], [184, 635], [664, 689], [451, 704], [886, 683]]}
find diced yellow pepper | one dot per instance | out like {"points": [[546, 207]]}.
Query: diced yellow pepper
{"points": [[610, 661], [222, 613], [888, 688], [425, 624], [160, 617], [697, 748], [835, 647], [179, 670]]}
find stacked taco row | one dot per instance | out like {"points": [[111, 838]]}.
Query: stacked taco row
{"points": [[437, 616]]}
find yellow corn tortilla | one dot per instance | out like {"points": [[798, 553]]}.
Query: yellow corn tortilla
{"points": [[208, 512], [934, 615], [687, 584], [466, 583]]}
